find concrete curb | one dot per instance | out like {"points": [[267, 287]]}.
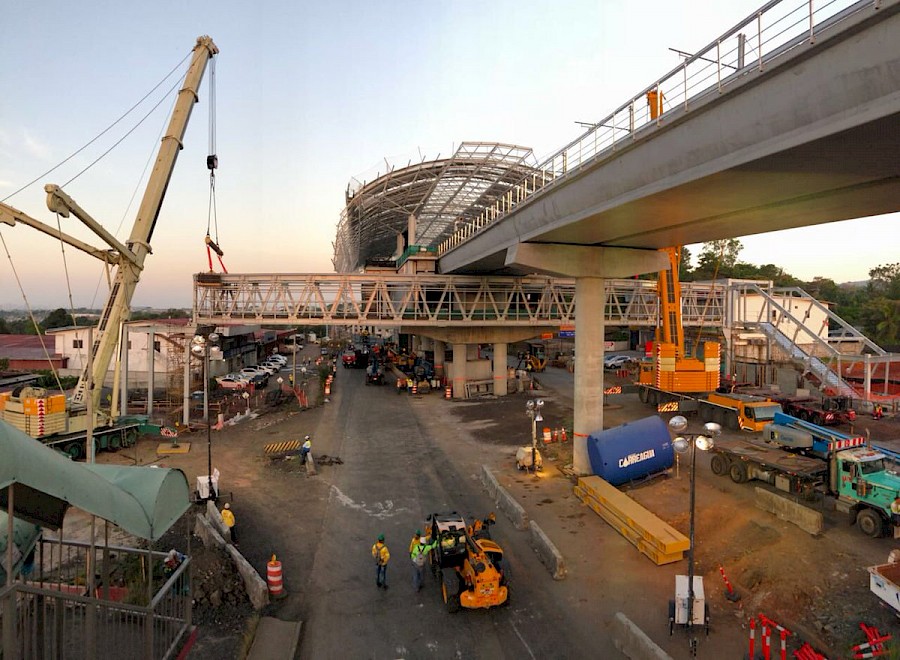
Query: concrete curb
{"points": [[803, 517], [633, 642], [548, 553], [504, 501], [206, 527]]}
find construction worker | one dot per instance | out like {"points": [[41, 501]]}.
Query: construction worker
{"points": [[895, 510], [877, 411], [415, 540], [305, 449], [382, 556], [228, 519], [419, 556]]}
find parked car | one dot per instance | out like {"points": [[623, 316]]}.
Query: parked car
{"points": [[259, 377], [616, 361], [230, 382], [269, 368], [279, 358]]}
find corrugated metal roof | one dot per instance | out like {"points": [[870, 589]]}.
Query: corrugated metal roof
{"points": [[27, 347]]}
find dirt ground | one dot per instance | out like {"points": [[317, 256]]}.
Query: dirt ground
{"points": [[816, 587]]}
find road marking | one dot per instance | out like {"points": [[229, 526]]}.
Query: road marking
{"points": [[522, 639], [378, 510]]}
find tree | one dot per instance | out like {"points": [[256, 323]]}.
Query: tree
{"points": [[881, 317], [4, 329], [718, 258], [58, 318], [884, 280]]}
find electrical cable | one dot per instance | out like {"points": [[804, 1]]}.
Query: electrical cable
{"points": [[99, 135]]}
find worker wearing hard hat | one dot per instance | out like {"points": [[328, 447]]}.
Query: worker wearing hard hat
{"points": [[382, 556], [419, 556], [305, 449], [228, 519]]}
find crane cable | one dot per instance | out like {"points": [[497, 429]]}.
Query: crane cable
{"points": [[30, 311], [212, 163]]}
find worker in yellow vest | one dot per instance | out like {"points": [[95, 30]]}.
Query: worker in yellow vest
{"points": [[228, 519], [382, 556]]}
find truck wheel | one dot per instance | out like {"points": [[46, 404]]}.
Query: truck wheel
{"points": [[870, 523], [642, 394], [738, 472], [718, 465], [75, 450], [731, 420], [706, 413]]}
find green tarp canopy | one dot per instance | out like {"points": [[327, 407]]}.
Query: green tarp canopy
{"points": [[143, 501]]}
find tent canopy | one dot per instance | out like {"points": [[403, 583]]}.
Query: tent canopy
{"points": [[143, 501]]}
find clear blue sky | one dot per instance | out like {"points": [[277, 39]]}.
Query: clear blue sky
{"points": [[312, 94]]}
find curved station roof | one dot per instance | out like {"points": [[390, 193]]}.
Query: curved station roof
{"points": [[440, 193]]}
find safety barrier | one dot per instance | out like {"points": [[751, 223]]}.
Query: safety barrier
{"points": [[274, 579], [653, 537]]}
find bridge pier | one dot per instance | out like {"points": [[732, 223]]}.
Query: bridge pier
{"points": [[590, 266], [460, 358], [501, 374]]}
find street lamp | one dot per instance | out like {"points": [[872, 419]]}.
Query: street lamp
{"points": [[681, 444], [533, 410], [200, 347]]}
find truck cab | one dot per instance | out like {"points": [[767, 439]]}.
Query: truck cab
{"points": [[862, 481], [753, 412]]}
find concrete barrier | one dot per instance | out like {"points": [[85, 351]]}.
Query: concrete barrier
{"points": [[504, 501], [805, 518], [208, 534], [633, 642], [311, 465], [255, 585], [550, 556], [215, 518]]}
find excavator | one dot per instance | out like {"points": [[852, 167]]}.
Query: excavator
{"points": [[67, 423], [670, 369]]}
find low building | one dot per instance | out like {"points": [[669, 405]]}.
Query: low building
{"points": [[31, 353]]}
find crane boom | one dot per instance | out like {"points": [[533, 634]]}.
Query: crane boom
{"points": [[118, 305]]}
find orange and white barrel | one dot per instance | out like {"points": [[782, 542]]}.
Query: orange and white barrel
{"points": [[415, 388], [448, 392], [547, 436], [274, 579]]}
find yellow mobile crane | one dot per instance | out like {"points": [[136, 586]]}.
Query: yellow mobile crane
{"points": [[65, 423], [670, 370]]}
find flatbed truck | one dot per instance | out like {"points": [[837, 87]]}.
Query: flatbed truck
{"points": [[731, 410], [802, 458]]}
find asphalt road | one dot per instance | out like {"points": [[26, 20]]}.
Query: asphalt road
{"points": [[396, 470]]}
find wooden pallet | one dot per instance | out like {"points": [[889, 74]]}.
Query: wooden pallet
{"points": [[653, 537]]}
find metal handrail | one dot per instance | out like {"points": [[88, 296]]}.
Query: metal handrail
{"points": [[711, 69]]}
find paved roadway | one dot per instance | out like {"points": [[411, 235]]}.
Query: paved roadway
{"points": [[396, 470]]}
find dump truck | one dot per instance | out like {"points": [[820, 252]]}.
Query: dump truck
{"points": [[467, 563], [803, 458]]}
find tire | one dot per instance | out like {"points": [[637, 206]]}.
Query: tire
{"points": [[653, 396], [642, 394], [115, 442], [75, 450], [738, 472], [450, 591], [731, 420], [870, 523], [706, 413], [718, 464]]}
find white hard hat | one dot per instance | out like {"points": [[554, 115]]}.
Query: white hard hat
{"points": [[227, 505], [306, 438]]}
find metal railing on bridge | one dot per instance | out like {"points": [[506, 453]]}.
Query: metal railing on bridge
{"points": [[755, 43], [389, 300]]}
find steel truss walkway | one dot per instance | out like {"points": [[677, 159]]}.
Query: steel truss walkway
{"points": [[390, 300]]}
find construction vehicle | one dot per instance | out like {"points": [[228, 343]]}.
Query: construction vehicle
{"points": [[804, 458], [374, 373], [671, 372], [67, 423], [826, 412], [534, 359], [467, 562]]}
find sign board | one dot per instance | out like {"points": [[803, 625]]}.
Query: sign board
{"points": [[546, 335], [567, 333]]}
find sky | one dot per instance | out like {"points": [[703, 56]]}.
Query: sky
{"points": [[308, 96]]}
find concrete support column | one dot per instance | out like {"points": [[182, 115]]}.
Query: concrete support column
{"points": [[589, 337], [460, 357], [439, 355], [186, 414], [500, 369], [151, 358]]}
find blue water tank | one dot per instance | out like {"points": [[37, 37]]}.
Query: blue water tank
{"points": [[631, 451]]}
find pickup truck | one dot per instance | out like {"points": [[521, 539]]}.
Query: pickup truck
{"points": [[348, 359]]}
